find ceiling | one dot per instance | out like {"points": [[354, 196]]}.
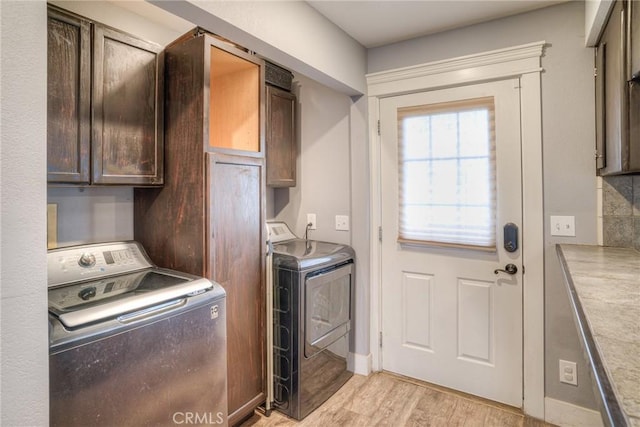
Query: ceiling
{"points": [[380, 22]]}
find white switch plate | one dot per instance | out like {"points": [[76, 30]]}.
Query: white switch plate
{"points": [[568, 372], [563, 226], [342, 222], [311, 219]]}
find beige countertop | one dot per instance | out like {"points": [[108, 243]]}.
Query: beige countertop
{"points": [[604, 289]]}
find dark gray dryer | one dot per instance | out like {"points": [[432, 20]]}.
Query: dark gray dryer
{"points": [[313, 297]]}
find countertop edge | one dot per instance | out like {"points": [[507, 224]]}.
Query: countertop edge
{"points": [[611, 410]]}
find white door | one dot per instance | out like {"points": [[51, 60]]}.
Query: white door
{"points": [[450, 181]]}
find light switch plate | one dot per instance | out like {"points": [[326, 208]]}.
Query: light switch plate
{"points": [[563, 226], [342, 223]]}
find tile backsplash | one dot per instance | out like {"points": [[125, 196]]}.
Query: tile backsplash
{"points": [[621, 211]]}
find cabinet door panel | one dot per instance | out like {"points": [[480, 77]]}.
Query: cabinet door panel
{"points": [[127, 110], [281, 138], [68, 98], [617, 95], [236, 223], [612, 119], [634, 37]]}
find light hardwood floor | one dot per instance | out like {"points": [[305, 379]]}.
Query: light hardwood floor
{"points": [[384, 399]]}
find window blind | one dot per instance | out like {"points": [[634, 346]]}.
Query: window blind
{"points": [[447, 174]]}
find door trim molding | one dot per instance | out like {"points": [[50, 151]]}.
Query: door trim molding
{"points": [[521, 62]]}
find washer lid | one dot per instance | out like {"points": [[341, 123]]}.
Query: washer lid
{"points": [[299, 254], [80, 304]]}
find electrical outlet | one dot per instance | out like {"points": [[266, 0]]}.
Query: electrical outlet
{"points": [[568, 372], [563, 226], [311, 219], [342, 222]]}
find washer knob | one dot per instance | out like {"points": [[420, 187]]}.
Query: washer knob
{"points": [[87, 259]]}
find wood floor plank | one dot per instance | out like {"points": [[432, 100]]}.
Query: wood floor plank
{"points": [[398, 404], [370, 395], [433, 408], [386, 400]]}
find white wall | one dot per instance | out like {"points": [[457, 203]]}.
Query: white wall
{"points": [[290, 33], [595, 16], [568, 144], [24, 351], [149, 23]]}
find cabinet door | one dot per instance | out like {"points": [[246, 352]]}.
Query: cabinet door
{"points": [[634, 85], [237, 262], [127, 109], [281, 138], [633, 42], [68, 98], [611, 94]]}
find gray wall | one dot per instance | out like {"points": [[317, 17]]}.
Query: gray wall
{"points": [[323, 181], [332, 179], [360, 220], [568, 144], [24, 386], [92, 214]]}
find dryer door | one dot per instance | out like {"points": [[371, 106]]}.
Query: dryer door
{"points": [[327, 308]]}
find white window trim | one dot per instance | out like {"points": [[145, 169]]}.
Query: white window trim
{"points": [[520, 62]]}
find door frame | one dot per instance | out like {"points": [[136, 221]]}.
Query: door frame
{"points": [[520, 62]]}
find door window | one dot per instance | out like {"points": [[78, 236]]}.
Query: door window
{"points": [[447, 174]]}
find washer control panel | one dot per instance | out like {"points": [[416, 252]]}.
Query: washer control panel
{"points": [[279, 232], [77, 263]]}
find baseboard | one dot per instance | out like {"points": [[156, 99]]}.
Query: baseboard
{"points": [[360, 363], [565, 414]]}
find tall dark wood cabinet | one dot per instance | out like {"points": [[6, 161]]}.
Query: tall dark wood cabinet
{"points": [[209, 217], [104, 105]]}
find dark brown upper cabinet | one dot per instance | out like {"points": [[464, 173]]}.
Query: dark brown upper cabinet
{"points": [[281, 138], [68, 98], [127, 109], [105, 105], [618, 92]]}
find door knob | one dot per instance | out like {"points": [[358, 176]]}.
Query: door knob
{"points": [[509, 269]]}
